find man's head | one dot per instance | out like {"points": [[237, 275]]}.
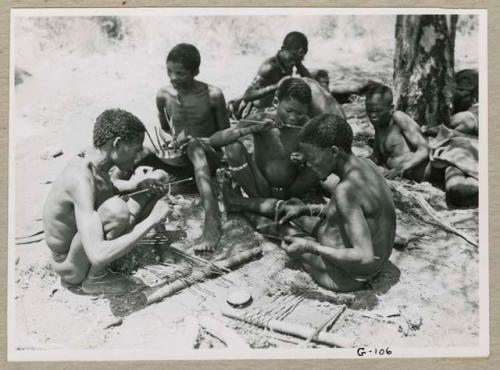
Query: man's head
{"points": [[294, 99], [294, 49], [183, 64], [378, 105], [322, 77], [123, 133], [466, 89], [323, 140]]}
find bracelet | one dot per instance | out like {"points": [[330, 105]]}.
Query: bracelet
{"points": [[321, 212], [312, 248], [276, 208]]}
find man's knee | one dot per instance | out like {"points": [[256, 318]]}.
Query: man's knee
{"points": [[293, 201], [236, 153], [463, 194], [115, 217]]}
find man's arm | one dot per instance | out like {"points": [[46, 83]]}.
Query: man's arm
{"points": [[411, 131], [303, 71], [89, 225], [244, 127], [357, 230], [258, 87], [358, 233], [219, 106], [375, 157], [161, 105]]}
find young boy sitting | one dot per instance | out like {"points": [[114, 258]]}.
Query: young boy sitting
{"points": [[262, 88], [191, 111], [353, 235], [399, 144]]}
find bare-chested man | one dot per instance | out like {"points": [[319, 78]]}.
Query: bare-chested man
{"points": [[271, 172], [399, 144], [354, 234], [86, 227], [260, 93]]}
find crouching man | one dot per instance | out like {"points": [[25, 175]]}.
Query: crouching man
{"points": [[86, 227], [353, 235]]}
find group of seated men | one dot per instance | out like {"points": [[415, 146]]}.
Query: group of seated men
{"points": [[300, 138]]}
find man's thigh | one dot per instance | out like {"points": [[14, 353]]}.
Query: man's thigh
{"points": [[75, 266]]}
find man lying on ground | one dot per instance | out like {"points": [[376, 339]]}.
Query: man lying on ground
{"points": [[86, 226], [261, 91], [353, 235], [400, 146], [342, 92]]}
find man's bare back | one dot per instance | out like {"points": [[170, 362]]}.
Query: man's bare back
{"points": [[86, 227], [58, 213]]}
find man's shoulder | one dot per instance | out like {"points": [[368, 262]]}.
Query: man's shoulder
{"points": [[269, 65], [403, 119], [166, 92], [213, 91], [76, 173]]}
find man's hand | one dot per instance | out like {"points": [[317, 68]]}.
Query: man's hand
{"points": [[299, 245], [288, 212], [182, 145], [155, 186], [395, 173], [266, 125], [160, 211], [298, 158]]}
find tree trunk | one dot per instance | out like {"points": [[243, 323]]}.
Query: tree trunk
{"points": [[423, 67]]}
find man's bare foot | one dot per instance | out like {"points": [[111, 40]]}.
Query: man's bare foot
{"points": [[108, 283], [210, 238]]}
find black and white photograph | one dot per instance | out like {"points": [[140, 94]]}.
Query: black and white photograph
{"points": [[247, 183]]}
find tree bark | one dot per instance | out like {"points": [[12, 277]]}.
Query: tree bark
{"points": [[424, 67]]}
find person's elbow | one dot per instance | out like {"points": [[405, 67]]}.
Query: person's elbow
{"points": [[98, 256], [365, 256]]}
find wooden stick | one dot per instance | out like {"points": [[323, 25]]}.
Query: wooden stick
{"points": [[430, 211], [152, 142], [197, 259], [229, 263], [227, 335], [292, 329], [325, 324], [167, 183]]}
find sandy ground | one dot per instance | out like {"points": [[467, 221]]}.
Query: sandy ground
{"points": [[427, 295]]}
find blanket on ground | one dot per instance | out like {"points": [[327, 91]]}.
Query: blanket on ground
{"points": [[451, 147]]}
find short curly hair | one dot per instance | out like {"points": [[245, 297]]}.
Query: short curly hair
{"points": [[114, 123], [321, 73], [295, 88], [294, 41], [187, 55], [326, 130], [380, 89]]}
